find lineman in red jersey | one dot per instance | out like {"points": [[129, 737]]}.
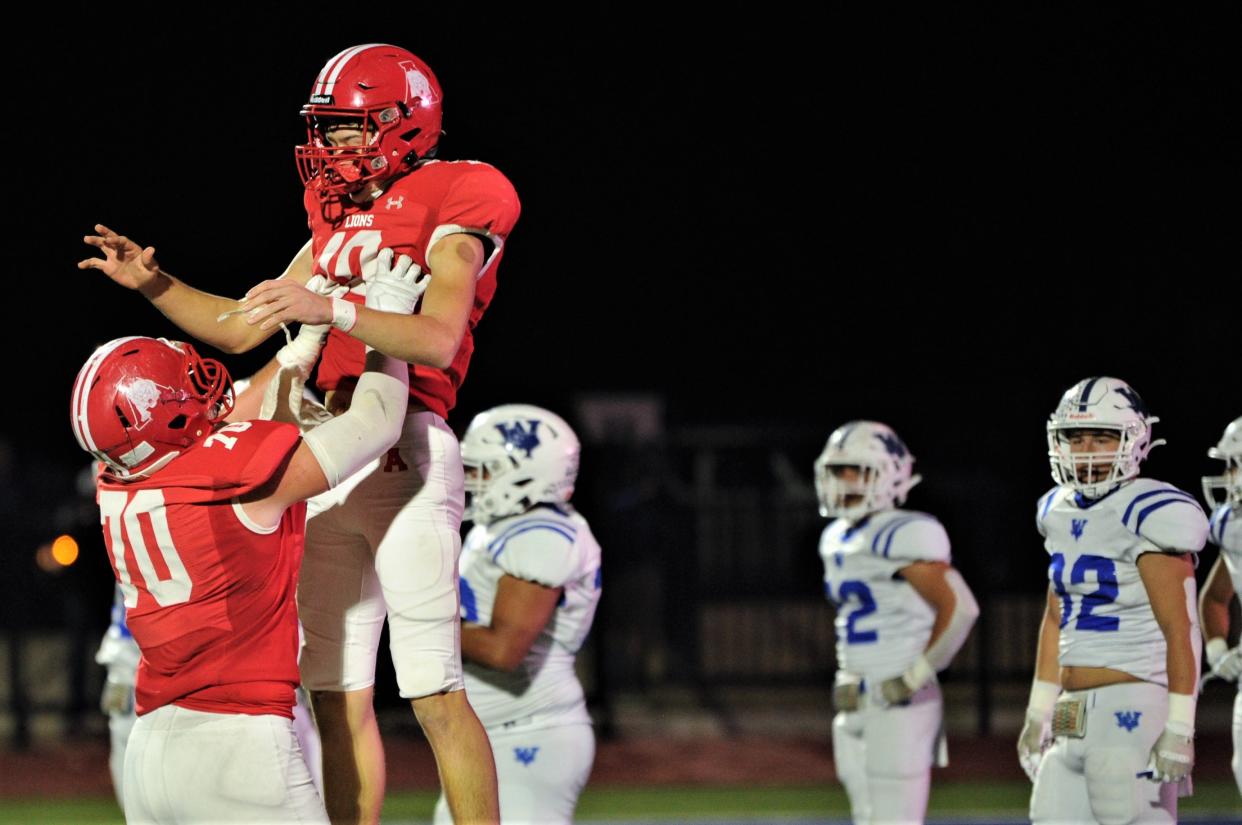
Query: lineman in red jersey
{"points": [[203, 522], [388, 541]]}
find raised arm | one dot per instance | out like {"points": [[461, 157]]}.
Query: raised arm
{"points": [[337, 449], [431, 338], [195, 311]]}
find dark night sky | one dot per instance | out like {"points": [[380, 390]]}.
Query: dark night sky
{"points": [[940, 216]]}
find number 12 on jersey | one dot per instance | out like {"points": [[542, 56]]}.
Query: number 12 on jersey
{"points": [[860, 594], [1104, 594]]}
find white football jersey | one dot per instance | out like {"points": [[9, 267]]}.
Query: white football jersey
{"points": [[882, 623], [555, 548], [1106, 617], [1225, 530]]}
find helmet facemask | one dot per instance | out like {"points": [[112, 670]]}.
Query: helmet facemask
{"points": [[864, 468], [1226, 488], [1095, 474]]}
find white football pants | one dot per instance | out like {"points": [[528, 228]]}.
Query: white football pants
{"points": [[883, 757], [1095, 778]]}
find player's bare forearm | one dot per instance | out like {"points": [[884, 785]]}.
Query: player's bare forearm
{"points": [[1214, 602], [197, 313], [520, 613], [414, 339], [484, 646], [1169, 581], [1047, 662]]}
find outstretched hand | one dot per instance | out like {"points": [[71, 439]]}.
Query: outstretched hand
{"points": [[123, 261]]}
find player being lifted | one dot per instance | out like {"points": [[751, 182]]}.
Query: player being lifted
{"points": [[1223, 495], [386, 542], [530, 583], [903, 612], [203, 522], [1119, 641]]}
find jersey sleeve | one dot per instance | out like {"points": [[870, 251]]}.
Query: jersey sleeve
{"points": [[538, 551], [913, 537], [1042, 508], [232, 461], [480, 201], [1168, 518]]}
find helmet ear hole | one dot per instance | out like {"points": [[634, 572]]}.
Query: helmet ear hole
{"points": [[125, 422], [177, 423]]}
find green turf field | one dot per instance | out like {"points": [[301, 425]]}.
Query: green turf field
{"points": [[967, 799]]}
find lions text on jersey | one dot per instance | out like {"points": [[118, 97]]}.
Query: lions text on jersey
{"points": [[1095, 545], [882, 624], [552, 546]]}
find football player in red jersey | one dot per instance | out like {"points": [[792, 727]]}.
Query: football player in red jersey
{"points": [[390, 548], [203, 521]]}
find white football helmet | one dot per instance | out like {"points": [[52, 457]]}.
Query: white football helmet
{"points": [[1228, 450], [885, 471], [1099, 403], [517, 456]]}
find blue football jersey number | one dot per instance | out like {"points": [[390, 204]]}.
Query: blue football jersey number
{"points": [[861, 594], [1104, 594]]}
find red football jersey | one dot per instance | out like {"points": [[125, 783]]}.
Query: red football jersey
{"points": [[418, 209], [209, 594]]}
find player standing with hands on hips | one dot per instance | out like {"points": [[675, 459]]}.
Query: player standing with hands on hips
{"points": [[386, 542], [903, 612], [1118, 659]]}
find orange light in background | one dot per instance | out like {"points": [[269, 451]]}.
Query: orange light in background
{"points": [[65, 551]]}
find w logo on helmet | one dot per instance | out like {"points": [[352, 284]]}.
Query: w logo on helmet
{"points": [[1136, 403], [893, 444], [517, 437], [1128, 719]]}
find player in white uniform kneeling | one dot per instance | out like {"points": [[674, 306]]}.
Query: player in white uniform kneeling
{"points": [[1117, 662], [902, 614], [1225, 580], [530, 583]]}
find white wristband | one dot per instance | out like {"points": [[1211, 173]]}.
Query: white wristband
{"points": [[344, 314], [1043, 699], [919, 674], [1215, 650], [1181, 718]]}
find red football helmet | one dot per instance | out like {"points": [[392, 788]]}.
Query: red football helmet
{"points": [[138, 402], [394, 98]]}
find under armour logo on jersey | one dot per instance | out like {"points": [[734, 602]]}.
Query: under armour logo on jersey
{"points": [[393, 461], [395, 203], [893, 444], [1076, 527], [1128, 719], [525, 755], [518, 437]]}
